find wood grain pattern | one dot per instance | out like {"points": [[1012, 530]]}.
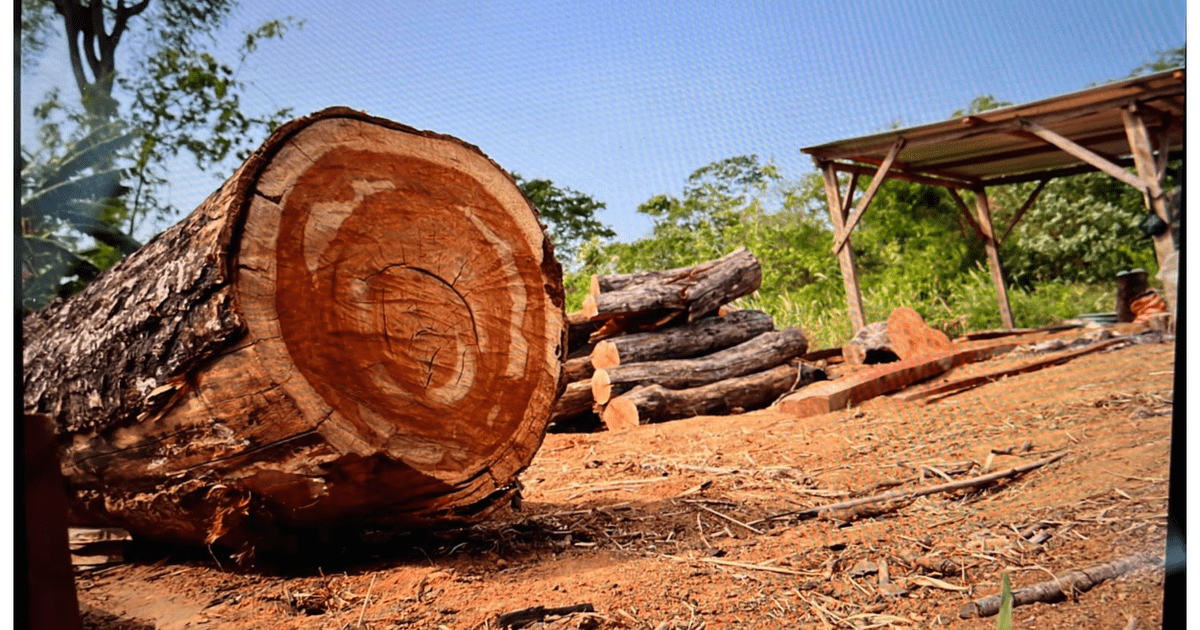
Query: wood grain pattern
{"points": [[379, 333]]}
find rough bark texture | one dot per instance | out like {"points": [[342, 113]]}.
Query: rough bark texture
{"points": [[698, 290], [578, 369], [363, 324], [764, 351], [690, 340], [575, 401], [654, 403], [869, 345]]}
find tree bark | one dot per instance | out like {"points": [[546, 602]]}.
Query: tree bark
{"points": [[578, 369], [363, 324], [698, 290], [690, 340], [869, 345], [654, 403], [575, 401], [763, 352]]}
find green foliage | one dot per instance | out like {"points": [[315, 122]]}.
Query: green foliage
{"points": [[67, 193], [1164, 60], [100, 168], [1080, 229], [1004, 617], [570, 217], [979, 104]]}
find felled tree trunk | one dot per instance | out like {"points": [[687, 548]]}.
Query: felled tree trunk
{"points": [[698, 290], [654, 403], [690, 340], [763, 352], [363, 324]]}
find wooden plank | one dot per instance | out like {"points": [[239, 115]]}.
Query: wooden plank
{"points": [[865, 200], [827, 396], [1024, 208], [846, 255], [962, 207], [1083, 153], [941, 389], [989, 241]]}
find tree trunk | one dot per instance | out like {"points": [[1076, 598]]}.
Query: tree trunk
{"points": [[763, 352], [690, 340], [578, 369], [654, 403], [575, 401], [363, 324], [698, 290]]}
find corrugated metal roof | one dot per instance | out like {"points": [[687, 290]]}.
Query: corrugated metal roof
{"points": [[994, 147]]}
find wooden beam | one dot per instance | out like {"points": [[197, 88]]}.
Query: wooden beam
{"points": [[845, 256], [1025, 207], [848, 201], [1013, 154], [865, 200], [1083, 153], [827, 396], [1164, 150], [1068, 171], [966, 212], [902, 175], [1143, 160], [989, 241]]}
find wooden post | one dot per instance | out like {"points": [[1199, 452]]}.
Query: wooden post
{"points": [[837, 215], [1148, 172], [872, 188], [989, 241]]}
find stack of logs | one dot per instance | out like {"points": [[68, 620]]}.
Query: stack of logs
{"points": [[661, 345]]}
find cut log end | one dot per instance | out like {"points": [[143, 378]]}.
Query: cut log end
{"points": [[605, 355], [385, 344], [620, 414], [601, 387]]}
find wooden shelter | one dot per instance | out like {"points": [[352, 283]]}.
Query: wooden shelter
{"points": [[1137, 122]]}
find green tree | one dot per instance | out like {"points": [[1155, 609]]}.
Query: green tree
{"points": [[178, 98], [570, 217]]}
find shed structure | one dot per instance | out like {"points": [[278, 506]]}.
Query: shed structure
{"points": [[1135, 123]]}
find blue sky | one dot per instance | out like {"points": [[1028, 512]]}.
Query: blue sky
{"points": [[624, 103]]}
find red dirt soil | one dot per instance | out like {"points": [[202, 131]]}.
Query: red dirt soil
{"points": [[659, 527]]}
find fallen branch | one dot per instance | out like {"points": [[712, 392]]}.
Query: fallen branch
{"points": [[526, 616], [1076, 581], [904, 495]]}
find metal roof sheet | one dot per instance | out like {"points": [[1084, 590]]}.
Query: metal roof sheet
{"points": [[994, 147]]}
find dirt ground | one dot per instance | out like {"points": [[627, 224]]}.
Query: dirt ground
{"points": [[668, 526]]}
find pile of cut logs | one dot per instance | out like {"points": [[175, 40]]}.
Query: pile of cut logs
{"points": [[661, 345]]}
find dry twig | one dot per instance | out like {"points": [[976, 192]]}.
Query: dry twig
{"points": [[1056, 590], [895, 495]]}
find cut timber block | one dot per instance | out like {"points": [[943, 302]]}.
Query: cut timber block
{"points": [[827, 396], [911, 337], [943, 388]]}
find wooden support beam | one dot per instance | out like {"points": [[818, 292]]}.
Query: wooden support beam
{"points": [[1024, 208], [989, 241], [966, 212], [1077, 169], [837, 216], [848, 200], [1083, 153], [1164, 151], [1156, 201], [865, 200], [905, 176]]}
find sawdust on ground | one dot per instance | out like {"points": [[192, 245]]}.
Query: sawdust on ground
{"points": [[668, 526]]}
